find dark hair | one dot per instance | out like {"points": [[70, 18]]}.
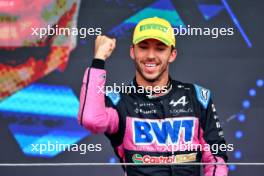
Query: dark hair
{"points": [[172, 48]]}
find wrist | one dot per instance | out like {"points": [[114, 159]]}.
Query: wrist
{"points": [[100, 56], [98, 63]]}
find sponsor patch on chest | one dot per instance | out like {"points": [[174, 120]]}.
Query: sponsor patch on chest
{"points": [[163, 131]]}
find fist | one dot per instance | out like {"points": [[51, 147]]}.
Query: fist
{"points": [[104, 47]]}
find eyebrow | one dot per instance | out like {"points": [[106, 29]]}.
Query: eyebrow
{"points": [[161, 44], [143, 42]]}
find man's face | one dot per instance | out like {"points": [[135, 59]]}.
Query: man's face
{"points": [[152, 59]]}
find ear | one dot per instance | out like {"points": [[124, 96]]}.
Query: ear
{"points": [[173, 55], [132, 54]]}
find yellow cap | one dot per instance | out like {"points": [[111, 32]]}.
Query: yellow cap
{"points": [[154, 28]]}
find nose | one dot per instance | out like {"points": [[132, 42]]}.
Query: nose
{"points": [[151, 53]]}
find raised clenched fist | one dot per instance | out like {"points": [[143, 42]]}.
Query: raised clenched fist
{"points": [[104, 46]]}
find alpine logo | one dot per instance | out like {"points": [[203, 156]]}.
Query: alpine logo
{"points": [[181, 101]]}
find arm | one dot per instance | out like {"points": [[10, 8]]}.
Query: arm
{"points": [[93, 113], [211, 134]]}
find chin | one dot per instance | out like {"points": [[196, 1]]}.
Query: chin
{"points": [[151, 78]]}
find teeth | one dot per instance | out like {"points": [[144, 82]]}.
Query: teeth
{"points": [[150, 65]]}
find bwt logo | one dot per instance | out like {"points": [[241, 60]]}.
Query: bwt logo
{"points": [[165, 131]]}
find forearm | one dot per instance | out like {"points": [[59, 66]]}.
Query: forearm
{"points": [[218, 169], [212, 135], [93, 114]]}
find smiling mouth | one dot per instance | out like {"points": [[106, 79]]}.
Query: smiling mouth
{"points": [[150, 65]]}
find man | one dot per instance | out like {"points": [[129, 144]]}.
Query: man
{"points": [[158, 124]]}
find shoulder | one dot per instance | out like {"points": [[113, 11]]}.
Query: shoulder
{"points": [[113, 96], [203, 95]]}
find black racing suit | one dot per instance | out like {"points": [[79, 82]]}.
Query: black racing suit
{"points": [[179, 126]]}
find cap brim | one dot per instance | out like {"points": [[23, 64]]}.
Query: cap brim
{"points": [[166, 42]]}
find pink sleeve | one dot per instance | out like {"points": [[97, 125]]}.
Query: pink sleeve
{"points": [[93, 114], [208, 157]]}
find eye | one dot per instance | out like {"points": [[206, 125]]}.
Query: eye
{"points": [[161, 48], [143, 47]]}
